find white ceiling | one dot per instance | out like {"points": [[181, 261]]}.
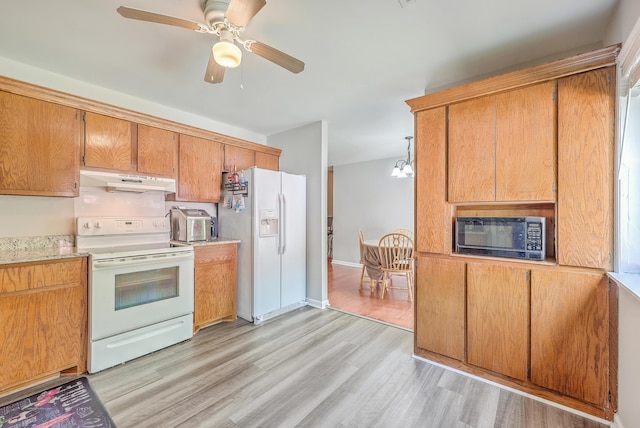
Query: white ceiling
{"points": [[363, 58]]}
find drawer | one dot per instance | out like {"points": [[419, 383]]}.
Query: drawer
{"points": [[215, 253], [31, 276]]}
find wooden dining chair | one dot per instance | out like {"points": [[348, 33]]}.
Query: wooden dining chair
{"points": [[361, 236], [396, 257], [404, 231]]}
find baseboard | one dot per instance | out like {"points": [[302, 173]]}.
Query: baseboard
{"points": [[320, 304], [517, 391], [343, 263]]}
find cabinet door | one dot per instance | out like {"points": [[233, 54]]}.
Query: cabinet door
{"points": [[585, 169], [569, 333], [432, 213], [200, 170], [43, 313], [238, 157], [440, 306], [215, 284], [157, 151], [267, 161], [526, 144], [40, 145], [471, 154], [108, 143], [498, 307]]}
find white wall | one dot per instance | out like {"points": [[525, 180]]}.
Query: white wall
{"points": [[366, 196], [304, 151]]}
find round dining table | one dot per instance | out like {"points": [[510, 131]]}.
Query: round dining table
{"points": [[371, 261]]}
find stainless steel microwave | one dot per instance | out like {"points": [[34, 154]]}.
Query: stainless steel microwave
{"points": [[515, 237]]}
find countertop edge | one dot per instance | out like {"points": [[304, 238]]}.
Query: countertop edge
{"points": [[8, 257], [628, 281], [217, 241]]}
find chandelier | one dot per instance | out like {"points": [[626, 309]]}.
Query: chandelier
{"points": [[404, 168]]}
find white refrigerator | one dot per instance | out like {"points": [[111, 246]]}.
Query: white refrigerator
{"points": [[272, 251]]}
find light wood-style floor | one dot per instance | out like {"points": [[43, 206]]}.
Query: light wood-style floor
{"points": [[307, 368], [346, 295]]}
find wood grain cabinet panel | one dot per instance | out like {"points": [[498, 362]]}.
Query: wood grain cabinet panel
{"points": [[570, 333], [432, 213], [238, 157], [108, 143], [440, 306], [43, 313], [585, 169], [498, 308], [40, 146], [157, 151], [216, 270], [526, 144], [200, 170], [471, 156], [267, 161]]}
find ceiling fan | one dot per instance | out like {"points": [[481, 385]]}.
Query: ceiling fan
{"points": [[227, 20]]}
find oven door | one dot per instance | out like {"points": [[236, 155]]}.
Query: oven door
{"points": [[127, 293]]}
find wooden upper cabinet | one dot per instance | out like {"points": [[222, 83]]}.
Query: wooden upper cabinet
{"points": [[238, 157], [432, 214], [440, 306], [570, 333], [267, 161], [40, 146], [157, 151], [526, 144], [498, 308], [471, 156], [200, 170], [108, 143], [502, 148], [586, 123]]}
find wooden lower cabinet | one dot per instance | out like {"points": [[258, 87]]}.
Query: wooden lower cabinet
{"points": [[440, 306], [498, 305], [570, 341], [216, 271], [43, 313]]}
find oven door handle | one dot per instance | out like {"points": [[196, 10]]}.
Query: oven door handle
{"points": [[139, 260]]}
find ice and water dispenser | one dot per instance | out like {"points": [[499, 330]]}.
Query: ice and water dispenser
{"points": [[269, 222]]}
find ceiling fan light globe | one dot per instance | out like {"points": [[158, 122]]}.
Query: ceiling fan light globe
{"points": [[227, 54]]}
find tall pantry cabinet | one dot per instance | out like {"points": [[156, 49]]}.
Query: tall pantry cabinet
{"points": [[534, 142]]}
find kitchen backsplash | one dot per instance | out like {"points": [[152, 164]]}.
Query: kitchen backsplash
{"points": [[50, 221]]}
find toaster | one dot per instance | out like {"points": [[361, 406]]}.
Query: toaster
{"points": [[190, 224]]}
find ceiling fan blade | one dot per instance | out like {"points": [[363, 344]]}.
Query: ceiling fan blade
{"points": [[277, 57], [240, 12], [215, 72], [142, 15]]}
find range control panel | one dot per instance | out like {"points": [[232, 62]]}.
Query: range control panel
{"points": [[92, 226]]}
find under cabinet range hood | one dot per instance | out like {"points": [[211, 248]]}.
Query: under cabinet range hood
{"points": [[114, 182]]}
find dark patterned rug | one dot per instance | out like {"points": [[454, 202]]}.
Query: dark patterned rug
{"points": [[72, 404]]}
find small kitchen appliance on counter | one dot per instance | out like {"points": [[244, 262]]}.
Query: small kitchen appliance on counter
{"points": [[190, 224]]}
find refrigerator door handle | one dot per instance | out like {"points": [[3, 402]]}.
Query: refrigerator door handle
{"points": [[281, 231]]}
